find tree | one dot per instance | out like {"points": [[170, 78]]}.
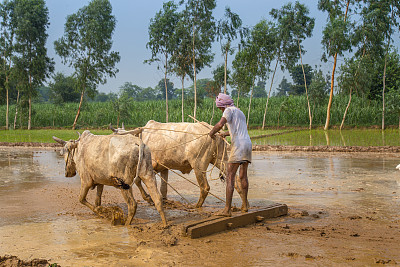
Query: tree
{"points": [[130, 90], [161, 40], [86, 46], [284, 87], [200, 24], [393, 101], [32, 20], [319, 88], [227, 30], [298, 72], [219, 75], [163, 91], [336, 39], [181, 59], [390, 6], [7, 29], [241, 78], [256, 56], [259, 90], [63, 89], [294, 26]]}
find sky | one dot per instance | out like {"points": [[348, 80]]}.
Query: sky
{"points": [[131, 35]]}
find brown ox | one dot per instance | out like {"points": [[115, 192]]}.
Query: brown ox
{"points": [[111, 160], [184, 147]]}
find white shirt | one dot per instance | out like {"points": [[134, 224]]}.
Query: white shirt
{"points": [[241, 143]]}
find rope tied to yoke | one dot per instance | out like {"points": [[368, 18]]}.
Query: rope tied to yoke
{"points": [[138, 131]]}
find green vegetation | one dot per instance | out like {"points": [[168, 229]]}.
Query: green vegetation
{"points": [[283, 111], [42, 136], [363, 91], [354, 137]]}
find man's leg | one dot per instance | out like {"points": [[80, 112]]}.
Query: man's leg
{"points": [[245, 185], [230, 184]]}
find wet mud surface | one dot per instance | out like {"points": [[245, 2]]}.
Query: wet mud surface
{"points": [[344, 209]]}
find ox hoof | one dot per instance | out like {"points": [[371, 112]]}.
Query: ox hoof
{"points": [[149, 200]]}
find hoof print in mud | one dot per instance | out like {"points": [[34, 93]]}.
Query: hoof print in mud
{"points": [[114, 214]]}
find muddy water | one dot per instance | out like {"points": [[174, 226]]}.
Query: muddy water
{"points": [[40, 216]]}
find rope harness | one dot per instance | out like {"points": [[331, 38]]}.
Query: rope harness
{"points": [[223, 165]]}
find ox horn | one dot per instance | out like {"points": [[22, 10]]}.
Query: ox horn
{"points": [[123, 127], [79, 136], [58, 140], [112, 128]]}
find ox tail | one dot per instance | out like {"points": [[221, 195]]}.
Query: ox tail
{"points": [[119, 183]]}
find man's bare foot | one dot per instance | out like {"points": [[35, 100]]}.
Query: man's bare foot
{"points": [[223, 213], [245, 208]]}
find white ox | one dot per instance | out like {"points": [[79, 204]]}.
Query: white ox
{"points": [[110, 160], [184, 147]]}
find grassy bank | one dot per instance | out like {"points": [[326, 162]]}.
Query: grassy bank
{"points": [[290, 137], [282, 111]]}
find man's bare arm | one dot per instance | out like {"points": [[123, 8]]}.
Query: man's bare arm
{"points": [[217, 127]]}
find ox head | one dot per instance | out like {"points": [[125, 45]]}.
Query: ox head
{"points": [[68, 151], [118, 130]]}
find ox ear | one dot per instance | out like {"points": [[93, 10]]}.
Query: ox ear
{"points": [[58, 140]]}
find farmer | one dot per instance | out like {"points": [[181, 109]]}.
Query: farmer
{"points": [[240, 155]]}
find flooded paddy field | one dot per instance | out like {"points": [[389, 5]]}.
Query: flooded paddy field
{"points": [[319, 137], [344, 209]]}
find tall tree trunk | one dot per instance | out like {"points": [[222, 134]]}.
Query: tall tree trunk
{"points": [[79, 110], [351, 89], [166, 88], [212, 116], [269, 93], [30, 103], [251, 96], [237, 102], [29, 112], [226, 65], [194, 77], [305, 85], [347, 108], [16, 110], [383, 92], [183, 80], [328, 110], [7, 100]]}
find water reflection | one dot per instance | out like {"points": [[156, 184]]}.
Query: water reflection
{"points": [[19, 167], [354, 137]]}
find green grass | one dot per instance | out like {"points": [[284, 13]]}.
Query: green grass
{"points": [[42, 135], [355, 137]]}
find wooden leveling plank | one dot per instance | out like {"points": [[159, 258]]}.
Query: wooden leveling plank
{"points": [[216, 224]]}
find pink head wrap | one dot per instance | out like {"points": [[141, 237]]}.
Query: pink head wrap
{"points": [[223, 101]]}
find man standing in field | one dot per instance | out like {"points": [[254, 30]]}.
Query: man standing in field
{"points": [[240, 155]]}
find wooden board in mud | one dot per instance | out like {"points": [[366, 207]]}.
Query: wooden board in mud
{"points": [[216, 224]]}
